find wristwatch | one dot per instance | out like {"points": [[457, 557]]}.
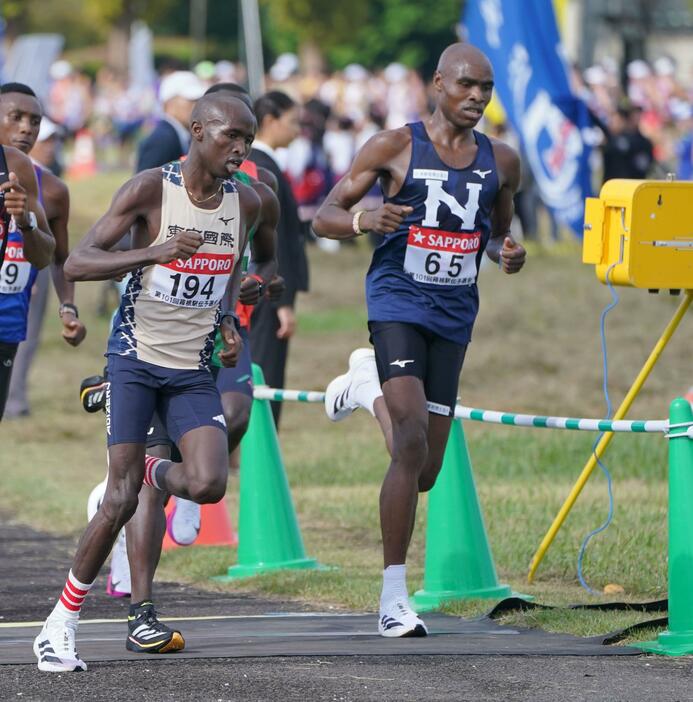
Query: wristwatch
{"points": [[33, 223]]}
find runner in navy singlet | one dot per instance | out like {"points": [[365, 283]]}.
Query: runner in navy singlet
{"points": [[26, 242], [21, 116], [448, 193]]}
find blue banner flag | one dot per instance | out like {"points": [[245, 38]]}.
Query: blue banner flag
{"points": [[531, 79]]}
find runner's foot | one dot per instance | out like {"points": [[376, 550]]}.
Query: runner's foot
{"points": [[358, 387], [118, 584], [146, 634], [55, 647], [92, 393], [183, 524], [398, 619]]}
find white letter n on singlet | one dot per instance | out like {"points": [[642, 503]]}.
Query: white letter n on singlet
{"points": [[437, 196]]}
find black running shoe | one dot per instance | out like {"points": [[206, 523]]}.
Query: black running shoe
{"points": [[92, 393], [146, 634]]}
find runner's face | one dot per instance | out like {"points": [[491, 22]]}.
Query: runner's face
{"points": [[20, 120], [464, 91], [228, 138]]}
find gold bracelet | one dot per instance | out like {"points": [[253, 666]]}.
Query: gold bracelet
{"points": [[356, 223]]}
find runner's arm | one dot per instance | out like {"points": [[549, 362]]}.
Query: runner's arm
{"points": [[264, 243], [502, 248], [138, 199], [56, 193], [333, 219]]}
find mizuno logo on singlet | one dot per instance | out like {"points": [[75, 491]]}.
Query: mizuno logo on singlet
{"points": [[482, 174], [402, 364], [226, 220]]}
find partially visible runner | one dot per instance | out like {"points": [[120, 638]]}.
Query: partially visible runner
{"points": [[26, 246], [235, 384], [192, 223], [21, 120], [448, 193]]}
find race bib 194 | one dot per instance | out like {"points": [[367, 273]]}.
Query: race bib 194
{"points": [[15, 271], [198, 282], [442, 258]]}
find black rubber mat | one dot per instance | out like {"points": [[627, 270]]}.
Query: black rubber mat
{"points": [[316, 635]]}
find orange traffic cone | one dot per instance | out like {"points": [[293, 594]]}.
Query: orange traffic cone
{"points": [[215, 527], [83, 157]]}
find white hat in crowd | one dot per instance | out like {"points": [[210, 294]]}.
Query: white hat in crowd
{"points": [[183, 84], [638, 69]]}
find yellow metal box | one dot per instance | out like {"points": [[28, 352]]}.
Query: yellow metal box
{"points": [[644, 229]]}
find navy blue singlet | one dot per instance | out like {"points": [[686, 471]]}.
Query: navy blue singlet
{"points": [[17, 277], [425, 273]]}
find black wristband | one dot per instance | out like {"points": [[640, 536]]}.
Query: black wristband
{"points": [[68, 307]]}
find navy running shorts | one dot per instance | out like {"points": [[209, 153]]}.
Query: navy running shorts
{"points": [[240, 377], [404, 349], [183, 399]]}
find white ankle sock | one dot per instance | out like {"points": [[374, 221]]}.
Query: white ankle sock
{"points": [[367, 394], [394, 584]]}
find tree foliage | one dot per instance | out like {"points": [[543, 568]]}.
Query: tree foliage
{"points": [[370, 32]]}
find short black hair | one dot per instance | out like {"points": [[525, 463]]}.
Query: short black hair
{"points": [[238, 91], [274, 103], [16, 88]]}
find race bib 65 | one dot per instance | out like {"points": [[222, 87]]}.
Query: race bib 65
{"points": [[442, 258]]}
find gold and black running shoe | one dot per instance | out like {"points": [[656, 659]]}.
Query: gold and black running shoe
{"points": [[146, 634], [92, 393]]}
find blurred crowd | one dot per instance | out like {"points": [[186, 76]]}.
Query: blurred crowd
{"points": [[644, 129]]}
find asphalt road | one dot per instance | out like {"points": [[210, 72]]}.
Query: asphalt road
{"points": [[33, 570]]}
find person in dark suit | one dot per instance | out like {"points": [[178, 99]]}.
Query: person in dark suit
{"points": [[170, 138], [274, 323]]}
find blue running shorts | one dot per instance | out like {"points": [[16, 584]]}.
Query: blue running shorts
{"points": [[184, 400]]}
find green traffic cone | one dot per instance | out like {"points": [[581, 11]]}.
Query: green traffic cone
{"points": [[268, 534], [677, 640], [459, 564]]}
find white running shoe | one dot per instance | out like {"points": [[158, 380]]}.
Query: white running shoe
{"points": [[95, 499], [118, 583], [183, 524], [342, 394], [55, 647], [398, 619]]}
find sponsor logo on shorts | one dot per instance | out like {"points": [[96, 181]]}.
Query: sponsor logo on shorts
{"points": [[108, 408], [402, 364], [220, 418]]}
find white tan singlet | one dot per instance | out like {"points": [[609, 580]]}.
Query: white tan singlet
{"points": [[169, 312]]}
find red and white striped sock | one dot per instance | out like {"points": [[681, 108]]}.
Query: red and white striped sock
{"points": [[151, 465], [72, 598]]}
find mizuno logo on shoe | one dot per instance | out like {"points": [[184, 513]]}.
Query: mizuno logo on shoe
{"points": [[401, 364]]}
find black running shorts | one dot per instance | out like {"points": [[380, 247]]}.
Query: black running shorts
{"points": [[403, 349]]}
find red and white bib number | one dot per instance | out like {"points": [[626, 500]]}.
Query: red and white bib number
{"points": [[442, 258], [15, 271], [198, 282]]}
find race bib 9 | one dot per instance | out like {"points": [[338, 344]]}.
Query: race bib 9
{"points": [[442, 258], [15, 271], [198, 282]]}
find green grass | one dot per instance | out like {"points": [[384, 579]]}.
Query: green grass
{"points": [[535, 349]]}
